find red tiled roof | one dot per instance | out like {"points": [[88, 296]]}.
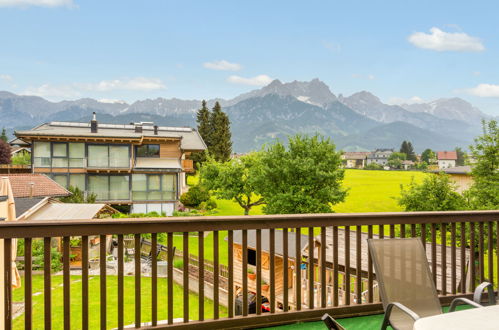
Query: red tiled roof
{"points": [[43, 186], [447, 155]]}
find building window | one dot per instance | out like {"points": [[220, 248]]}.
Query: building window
{"points": [[109, 187], [59, 154], [147, 150], [154, 187], [104, 156], [41, 154]]}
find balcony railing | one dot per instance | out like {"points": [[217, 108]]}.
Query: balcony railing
{"points": [[59, 162], [324, 267]]}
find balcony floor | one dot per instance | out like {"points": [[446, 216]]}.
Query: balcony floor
{"points": [[371, 322]]}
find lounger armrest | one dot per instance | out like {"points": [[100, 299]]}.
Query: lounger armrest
{"points": [[455, 302], [388, 312], [477, 295]]}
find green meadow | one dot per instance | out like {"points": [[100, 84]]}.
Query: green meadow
{"points": [[368, 191]]}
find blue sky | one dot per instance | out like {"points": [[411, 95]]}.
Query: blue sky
{"points": [[129, 50]]}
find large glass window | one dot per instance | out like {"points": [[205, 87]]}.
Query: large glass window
{"points": [[99, 185], [77, 181], [76, 155], [109, 187], [61, 179], [119, 156], [148, 150], [41, 153], [59, 154], [108, 156], [98, 156], [119, 187], [154, 187]]}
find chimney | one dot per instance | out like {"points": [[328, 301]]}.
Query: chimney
{"points": [[93, 124], [138, 128], [155, 129], [31, 189]]}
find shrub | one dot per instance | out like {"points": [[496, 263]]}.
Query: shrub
{"points": [[195, 196], [373, 166], [208, 205]]}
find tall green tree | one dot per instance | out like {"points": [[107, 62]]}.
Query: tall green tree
{"points": [[428, 156], [407, 149], [204, 129], [220, 144], [304, 177], [484, 193], [396, 158], [461, 156], [3, 137], [78, 196], [235, 179]]}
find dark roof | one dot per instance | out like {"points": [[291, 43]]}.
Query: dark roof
{"points": [[24, 204], [43, 186], [238, 239], [455, 170]]}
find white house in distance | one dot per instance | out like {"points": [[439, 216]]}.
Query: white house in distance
{"points": [[446, 159], [379, 156]]}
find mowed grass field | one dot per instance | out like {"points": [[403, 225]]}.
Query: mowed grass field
{"points": [[368, 191]]}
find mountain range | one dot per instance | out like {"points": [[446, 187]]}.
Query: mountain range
{"points": [[357, 122]]}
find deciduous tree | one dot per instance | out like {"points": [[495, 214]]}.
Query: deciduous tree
{"points": [[4, 152], [484, 193], [234, 180], [304, 177]]}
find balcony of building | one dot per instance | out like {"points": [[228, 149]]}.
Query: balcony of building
{"points": [[204, 272]]}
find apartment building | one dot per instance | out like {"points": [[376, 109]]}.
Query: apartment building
{"points": [[139, 164]]}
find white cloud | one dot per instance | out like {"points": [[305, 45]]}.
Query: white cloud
{"points": [[37, 3], [5, 77], [446, 41], [134, 84], [260, 80], [401, 100], [361, 76], [222, 65], [332, 46], [76, 90], [53, 92], [484, 90]]}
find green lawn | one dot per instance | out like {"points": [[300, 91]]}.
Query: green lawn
{"points": [[112, 296], [369, 191]]}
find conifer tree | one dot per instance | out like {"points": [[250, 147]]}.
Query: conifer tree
{"points": [[407, 149], [3, 137], [204, 129], [220, 144]]}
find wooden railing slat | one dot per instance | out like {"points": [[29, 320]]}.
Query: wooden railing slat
{"points": [[453, 258], [201, 276], [244, 273], [298, 262], [231, 273], [138, 301], [121, 284], [358, 265], [285, 275], [7, 277], [472, 257], [258, 271], [66, 283], [28, 288], [47, 290], [185, 269], [490, 251], [323, 267], [272, 270], [335, 267], [169, 298], [370, 275], [463, 258], [103, 294], [154, 279], [310, 267], [216, 279], [481, 252], [434, 252], [347, 265], [443, 256]]}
